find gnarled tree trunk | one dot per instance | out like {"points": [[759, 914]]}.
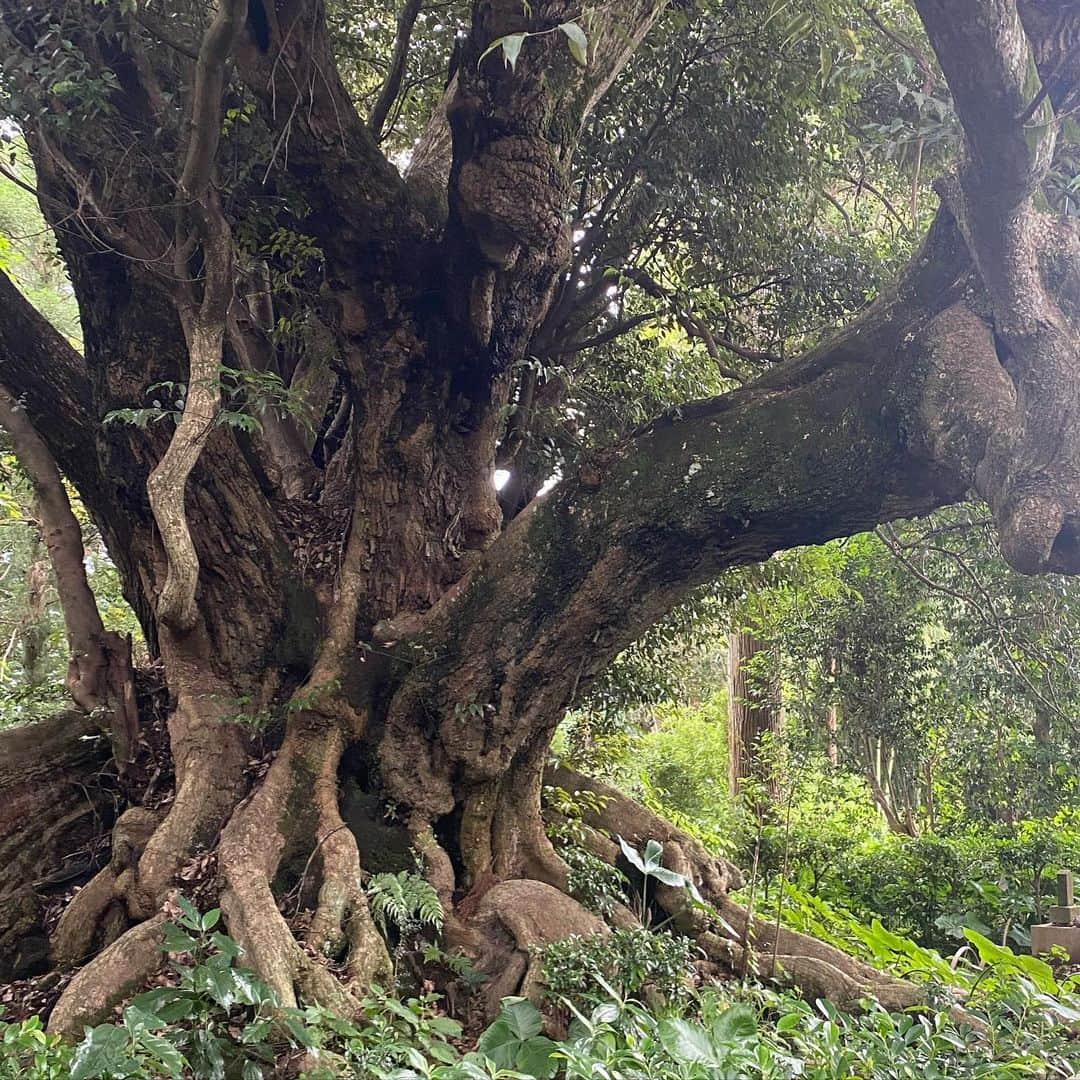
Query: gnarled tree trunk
{"points": [[375, 603]]}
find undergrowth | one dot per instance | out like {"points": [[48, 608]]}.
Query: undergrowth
{"points": [[212, 1019]]}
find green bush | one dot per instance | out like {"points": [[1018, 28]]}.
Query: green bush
{"points": [[28, 1053], [630, 961]]}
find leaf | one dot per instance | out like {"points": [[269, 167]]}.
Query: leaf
{"points": [[102, 1053], [668, 877], [511, 49], [190, 916], [687, 1043], [217, 983], [137, 1020], [535, 1058], [654, 855], [632, 857], [175, 940], [225, 945], [522, 1017], [735, 1024], [165, 1055], [579, 43]]}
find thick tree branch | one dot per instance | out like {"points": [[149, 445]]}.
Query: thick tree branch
{"points": [[1030, 265], [41, 370], [988, 64], [515, 131], [854, 433], [355, 195], [199, 211]]}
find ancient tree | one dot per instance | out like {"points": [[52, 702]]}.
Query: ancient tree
{"points": [[346, 564]]}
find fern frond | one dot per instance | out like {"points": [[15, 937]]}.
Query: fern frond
{"points": [[403, 900]]}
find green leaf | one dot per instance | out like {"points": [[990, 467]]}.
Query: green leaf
{"points": [[668, 877], [165, 1055], [190, 916], [687, 1043], [631, 855], [522, 1017], [104, 1052], [735, 1024], [579, 43], [216, 983], [511, 49], [225, 945], [654, 855], [535, 1058], [175, 940]]}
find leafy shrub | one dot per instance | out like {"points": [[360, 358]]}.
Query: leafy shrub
{"points": [[216, 1022], [393, 1038], [27, 1052], [514, 1041], [680, 769], [214, 1019], [629, 960], [594, 883]]}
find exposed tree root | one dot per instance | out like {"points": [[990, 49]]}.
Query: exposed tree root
{"points": [[113, 976], [760, 948], [516, 918], [297, 804], [286, 848]]}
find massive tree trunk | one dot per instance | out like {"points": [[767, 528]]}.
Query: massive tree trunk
{"points": [[360, 588]]}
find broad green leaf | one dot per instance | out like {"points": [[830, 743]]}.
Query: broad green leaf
{"points": [[735, 1024], [579, 43], [686, 1042], [522, 1017]]}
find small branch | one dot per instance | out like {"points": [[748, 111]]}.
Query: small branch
{"points": [[987, 610], [156, 29], [17, 181], [609, 335], [697, 328], [392, 84]]}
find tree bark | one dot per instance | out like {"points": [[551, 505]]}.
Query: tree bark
{"points": [[55, 806], [753, 710], [99, 677]]}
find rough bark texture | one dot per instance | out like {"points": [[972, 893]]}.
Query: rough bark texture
{"points": [[360, 588], [53, 812], [753, 711]]}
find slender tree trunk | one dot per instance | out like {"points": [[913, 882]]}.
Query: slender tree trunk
{"points": [[753, 709], [832, 722]]}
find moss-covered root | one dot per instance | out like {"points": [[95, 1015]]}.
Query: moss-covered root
{"points": [[295, 811], [787, 957]]}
